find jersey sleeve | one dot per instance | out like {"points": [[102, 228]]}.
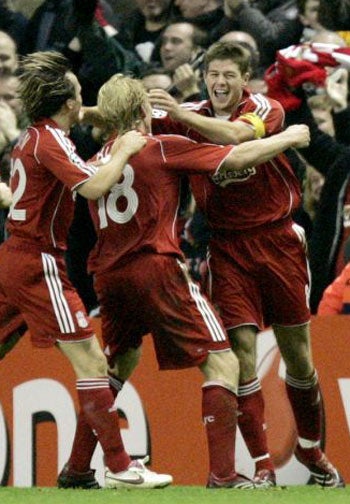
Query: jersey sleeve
{"points": [[268, 110], [182, 154], [163, 124], [57, 153]]}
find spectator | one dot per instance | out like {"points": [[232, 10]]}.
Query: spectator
{"points": [[180, 43], [141, 28], [10, 113], [181, 54], [274, 25], [321, 109], [309, 16], [311, 194], [256, 82], [335, 15], [156, 78], [8, 54], [13, 23], [5, 202], [45, 171], [331, 224], [243, 38], [207, 15], [139, 266], [327, 37], [12, 121], [5, 195], [336, 297], [251, 291], [70, 27]]}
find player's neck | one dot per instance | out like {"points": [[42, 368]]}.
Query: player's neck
{"points": [[63, 121]]}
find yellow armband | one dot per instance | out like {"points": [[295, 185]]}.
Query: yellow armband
{"points": [[256, 121]]}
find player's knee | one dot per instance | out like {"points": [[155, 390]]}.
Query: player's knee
{"points": [[222, 366], [124, 364], [91, 365], [300, 368], [299, 361]]}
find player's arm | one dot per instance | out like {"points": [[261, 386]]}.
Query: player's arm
{"points": [[92, 115], [259, 151], [110, 172], [247, 127]]}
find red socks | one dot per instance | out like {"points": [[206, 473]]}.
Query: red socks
{"points": [[96, 401], [251, 422], [305, 398], [219, 410]]}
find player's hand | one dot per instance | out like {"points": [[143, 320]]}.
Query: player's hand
{"points": [[186, 80], [131, 143], [160, 99], [300, 135], [337, 89], [91, 115]]}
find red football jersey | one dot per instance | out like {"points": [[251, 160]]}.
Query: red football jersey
{"points": [[253, 197], [45, 169], [139, 213]]}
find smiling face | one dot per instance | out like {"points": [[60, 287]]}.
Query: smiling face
{"points": [[225, 84]]}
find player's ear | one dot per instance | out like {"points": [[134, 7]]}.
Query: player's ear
{"points": [[246, 78], [70, 103], [142, 112]]}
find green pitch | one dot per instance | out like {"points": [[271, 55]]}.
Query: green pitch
{"points": [[176, 495]]}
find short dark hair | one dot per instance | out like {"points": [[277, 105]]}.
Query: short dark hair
{"points": [[44, 85], [233, 51]]}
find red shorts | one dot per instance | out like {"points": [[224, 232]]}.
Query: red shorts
{"points": [[35, 286], [11, 320], [261, 278], [154, 294]]}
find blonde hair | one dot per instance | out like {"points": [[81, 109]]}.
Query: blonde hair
{"points": [[120, 102]]}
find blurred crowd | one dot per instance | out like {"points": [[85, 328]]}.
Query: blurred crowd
{"points": [[300, 55]]}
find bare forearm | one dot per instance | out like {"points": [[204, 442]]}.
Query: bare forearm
{"points": [[110, 172], [218, 131], [107, 175], [259, 151]]}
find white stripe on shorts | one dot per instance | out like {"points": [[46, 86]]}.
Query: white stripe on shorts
{"points": [[59, 302], [209, 316]]}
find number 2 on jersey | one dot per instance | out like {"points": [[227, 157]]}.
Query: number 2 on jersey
{"points": [[17, 167]]}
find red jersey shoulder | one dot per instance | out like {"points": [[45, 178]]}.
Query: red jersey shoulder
{"points": [[268, 109]]}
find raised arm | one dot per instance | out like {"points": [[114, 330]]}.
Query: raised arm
{"points": [[216, 130], [259, 151]]}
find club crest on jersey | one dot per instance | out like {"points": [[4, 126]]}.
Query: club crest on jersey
{"points": [[158, 113], [231, 176], [81, 319]]}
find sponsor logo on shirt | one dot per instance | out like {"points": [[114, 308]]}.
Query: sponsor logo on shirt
{"points": [[158, 113], [231, 176]]}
